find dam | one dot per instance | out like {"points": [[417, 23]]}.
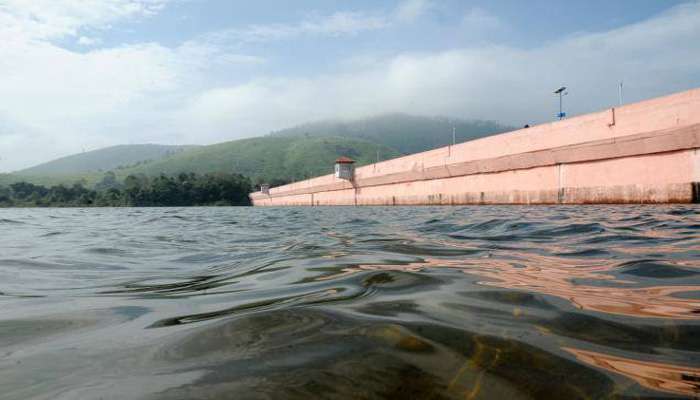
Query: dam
{"points": [[646, 152]]}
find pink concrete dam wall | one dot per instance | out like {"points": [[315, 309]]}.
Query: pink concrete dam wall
{"points": [[647, 152]]}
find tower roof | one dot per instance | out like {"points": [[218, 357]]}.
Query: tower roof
{"points": [[344, 160]]}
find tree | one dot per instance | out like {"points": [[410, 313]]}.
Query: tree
{"points": [[136, 190], [109, 181]]}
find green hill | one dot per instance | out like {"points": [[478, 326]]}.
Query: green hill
{"points": [[406, 133], [268, 158], [104, 159], [288, 155]]}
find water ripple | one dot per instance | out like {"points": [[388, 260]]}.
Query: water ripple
{"points": [[482, 302]]}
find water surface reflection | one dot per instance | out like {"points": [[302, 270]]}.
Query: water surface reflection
{"points": [[436, 303]]}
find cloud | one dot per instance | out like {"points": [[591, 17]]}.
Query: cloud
{"points": [[480, 19], [55, 19], [507, 84], [410, 10], [337, 24], [342, 23], [55, 100], [58, 101], [88, 41]]}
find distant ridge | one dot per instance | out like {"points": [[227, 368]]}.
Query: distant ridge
{"points": [[105, 159], [287, 155], [405, 133], [269, 158], [310, 149]]}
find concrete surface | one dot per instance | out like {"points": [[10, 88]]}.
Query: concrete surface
{"points": [[647, 152]]}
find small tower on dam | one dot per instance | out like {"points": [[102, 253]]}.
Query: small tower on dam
{"points": [[345, 168]]}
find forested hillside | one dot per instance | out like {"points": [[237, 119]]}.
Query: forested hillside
{"points": [[289, 155], [268, 158]]}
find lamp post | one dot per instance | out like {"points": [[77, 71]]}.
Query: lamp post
{"points": [[561, 92], [619, 92]]}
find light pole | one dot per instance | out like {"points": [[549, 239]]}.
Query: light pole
{"points": [[620, 92], [561, 92]]}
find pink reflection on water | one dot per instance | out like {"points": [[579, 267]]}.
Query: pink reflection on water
{"points": [[566, 278], [653, 375]]}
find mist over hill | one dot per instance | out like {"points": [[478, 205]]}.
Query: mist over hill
{"points": [[405, 133]]}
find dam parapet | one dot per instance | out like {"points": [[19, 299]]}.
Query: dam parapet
{"points": [[646, 152]]}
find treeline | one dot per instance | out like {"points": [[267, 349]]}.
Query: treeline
{"points": [[135, 191]]}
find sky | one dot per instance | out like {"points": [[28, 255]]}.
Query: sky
{"points": [[79, 75]]}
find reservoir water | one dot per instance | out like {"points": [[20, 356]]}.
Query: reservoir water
{"points": [[484, 302]]}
